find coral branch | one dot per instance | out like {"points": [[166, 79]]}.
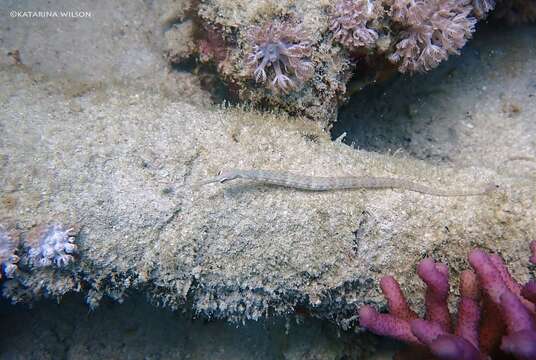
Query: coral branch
{"points": [[522, 344], [491, 327], [500, 321], [488, 275], [442, 344], [495, 277], [508, 280], [516, 316], [386, 325], [451, 347], [437, 292], [468, 309], [426, 331], [529, 291], [398, 306]]}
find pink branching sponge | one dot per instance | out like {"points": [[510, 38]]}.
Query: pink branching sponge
{"points": [[496, 315]]}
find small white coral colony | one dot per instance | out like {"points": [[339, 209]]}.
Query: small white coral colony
{"points": [[8, 246], [51, 244]]}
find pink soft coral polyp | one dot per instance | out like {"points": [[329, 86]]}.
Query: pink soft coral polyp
{"points": [[432, 30], [349, 24], [282, 48], [496, 315]]}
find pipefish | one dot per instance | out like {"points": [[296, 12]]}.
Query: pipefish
{"points": [[314, 183]]}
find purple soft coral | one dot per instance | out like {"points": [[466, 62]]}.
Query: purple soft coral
{"points": [[435, 332], [432, 30], [281, 46], [8, 245], [51, 244], [349, 23], [507, 295], [499, 321]]}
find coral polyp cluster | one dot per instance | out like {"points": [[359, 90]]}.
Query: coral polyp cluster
{"points": [[307, 52], [281, 48], [482, 7], [349, 23], [496, 315], [432, 30], [51, 244], [42, 265], [8, 259]]}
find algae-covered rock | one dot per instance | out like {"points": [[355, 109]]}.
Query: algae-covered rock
{"points": [[300, 55], [118, 155], [124, 170], [308, 57], [283, 40]]}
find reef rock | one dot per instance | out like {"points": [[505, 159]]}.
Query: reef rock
{"points": [[120, 158]]}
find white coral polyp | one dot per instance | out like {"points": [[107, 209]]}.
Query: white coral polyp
{"points": [[55, 246], [8, 259]]}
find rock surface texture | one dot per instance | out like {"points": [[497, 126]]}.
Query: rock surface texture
{"points": [[119, 158]]}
